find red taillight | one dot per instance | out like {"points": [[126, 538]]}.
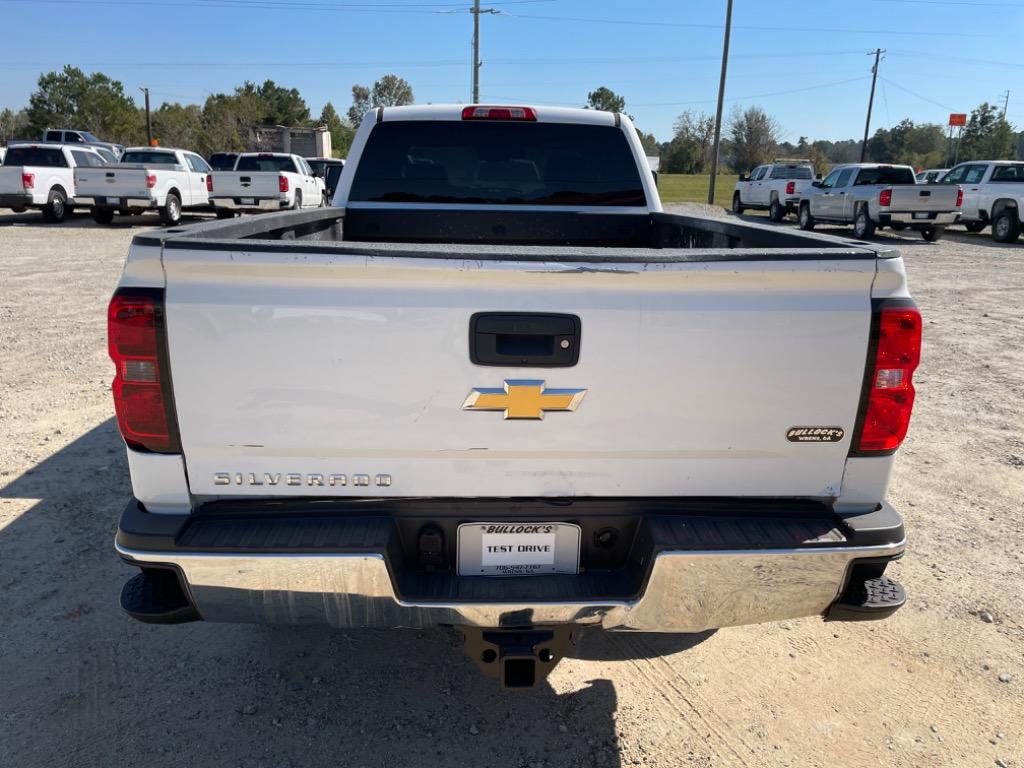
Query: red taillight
{"points": [[135, 338], [890, 395], [209, 183], [150, 180], [28, 180], [885, 197], [282, 183], [959, 197], [499, 113], [791, 188]]}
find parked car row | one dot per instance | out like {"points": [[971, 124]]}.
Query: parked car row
{"points": [[55, 177], [871, 196]]}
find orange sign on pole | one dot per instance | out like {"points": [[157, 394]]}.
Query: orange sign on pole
{"points": [[957, 119]]}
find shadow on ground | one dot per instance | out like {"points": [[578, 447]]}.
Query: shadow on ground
{"points": [[81, 219], [84, 682]]}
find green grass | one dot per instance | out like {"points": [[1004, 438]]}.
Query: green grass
{"points": [[693, 188]]}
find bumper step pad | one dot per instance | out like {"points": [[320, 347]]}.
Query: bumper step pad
{"points": [[155, 596], [869, 599]]}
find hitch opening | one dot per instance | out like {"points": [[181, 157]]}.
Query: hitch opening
{"points": [[518, 658]]}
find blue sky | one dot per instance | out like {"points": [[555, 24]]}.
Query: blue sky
{"points": [[804, 61]]}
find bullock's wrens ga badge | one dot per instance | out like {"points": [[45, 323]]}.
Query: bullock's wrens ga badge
{"points": [[815, 434]]}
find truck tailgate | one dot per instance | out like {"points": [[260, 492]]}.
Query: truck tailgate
{"points": [[930, 198], [245, 184], [11, 180], [111, 181], [347, 375]]}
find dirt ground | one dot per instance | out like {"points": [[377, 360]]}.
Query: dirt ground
{"points": [[939, 684]]}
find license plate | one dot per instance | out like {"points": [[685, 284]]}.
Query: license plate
{"points": [[920, 215], [518, 549], [248, 201], [113, 201]]}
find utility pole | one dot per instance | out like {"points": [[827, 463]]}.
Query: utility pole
{"points": [[721, 98], [476, 10], [1006, 103], [149, 124], [871, 100]]}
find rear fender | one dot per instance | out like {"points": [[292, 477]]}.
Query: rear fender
{"points": [[1002, 204]]}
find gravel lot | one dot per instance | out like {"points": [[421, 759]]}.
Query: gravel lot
{"points": [[940, 684]]}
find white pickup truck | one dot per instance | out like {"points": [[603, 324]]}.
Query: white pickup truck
{"points": [[146, 179], [872, 195], [776, 188], [993, 196], [42, 176], [495, 386], [266, 181]]}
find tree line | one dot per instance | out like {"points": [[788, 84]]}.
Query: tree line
{"points": [[752, 137], [94, 102], [70, 98]]}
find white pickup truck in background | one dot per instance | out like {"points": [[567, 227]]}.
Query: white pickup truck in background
{"points": [[147, 178], [776, 188], [872, 195], [266, 181], [40, 175], [993, 196], [494, 386]]}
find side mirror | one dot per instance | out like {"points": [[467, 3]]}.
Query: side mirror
{"points": [[317, 175], [816, 183], [743, 177]]}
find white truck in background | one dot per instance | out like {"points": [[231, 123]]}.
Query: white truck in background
{"points": [[494, 386], [776, 187], [41, 176], [993, 196], [266, 181], [168, 181], [875, 195]]}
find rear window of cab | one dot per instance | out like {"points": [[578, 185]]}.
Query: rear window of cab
{"points": [[497, 163], [44, 157]]}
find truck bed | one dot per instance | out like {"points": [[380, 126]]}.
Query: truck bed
{"points": [[590, 237]]}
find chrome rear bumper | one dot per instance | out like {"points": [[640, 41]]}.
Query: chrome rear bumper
{"points": [[687, 591], [258, 204]]}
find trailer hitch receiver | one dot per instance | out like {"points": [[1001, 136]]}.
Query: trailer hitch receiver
{"points": [[519, 658]]}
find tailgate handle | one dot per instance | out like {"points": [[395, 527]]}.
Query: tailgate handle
{"points": [[530, 339], [925, 193]]}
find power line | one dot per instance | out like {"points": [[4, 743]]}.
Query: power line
{"points": [[751, 97], [956, 59], [693, 25], [952, 2], [518, 62], [918, 95], [303, 5]]}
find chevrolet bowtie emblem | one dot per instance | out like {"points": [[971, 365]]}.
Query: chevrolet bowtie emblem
{"points": [[523, 399]]}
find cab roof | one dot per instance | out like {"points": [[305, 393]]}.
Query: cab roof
{"points": [[453, 112]]}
